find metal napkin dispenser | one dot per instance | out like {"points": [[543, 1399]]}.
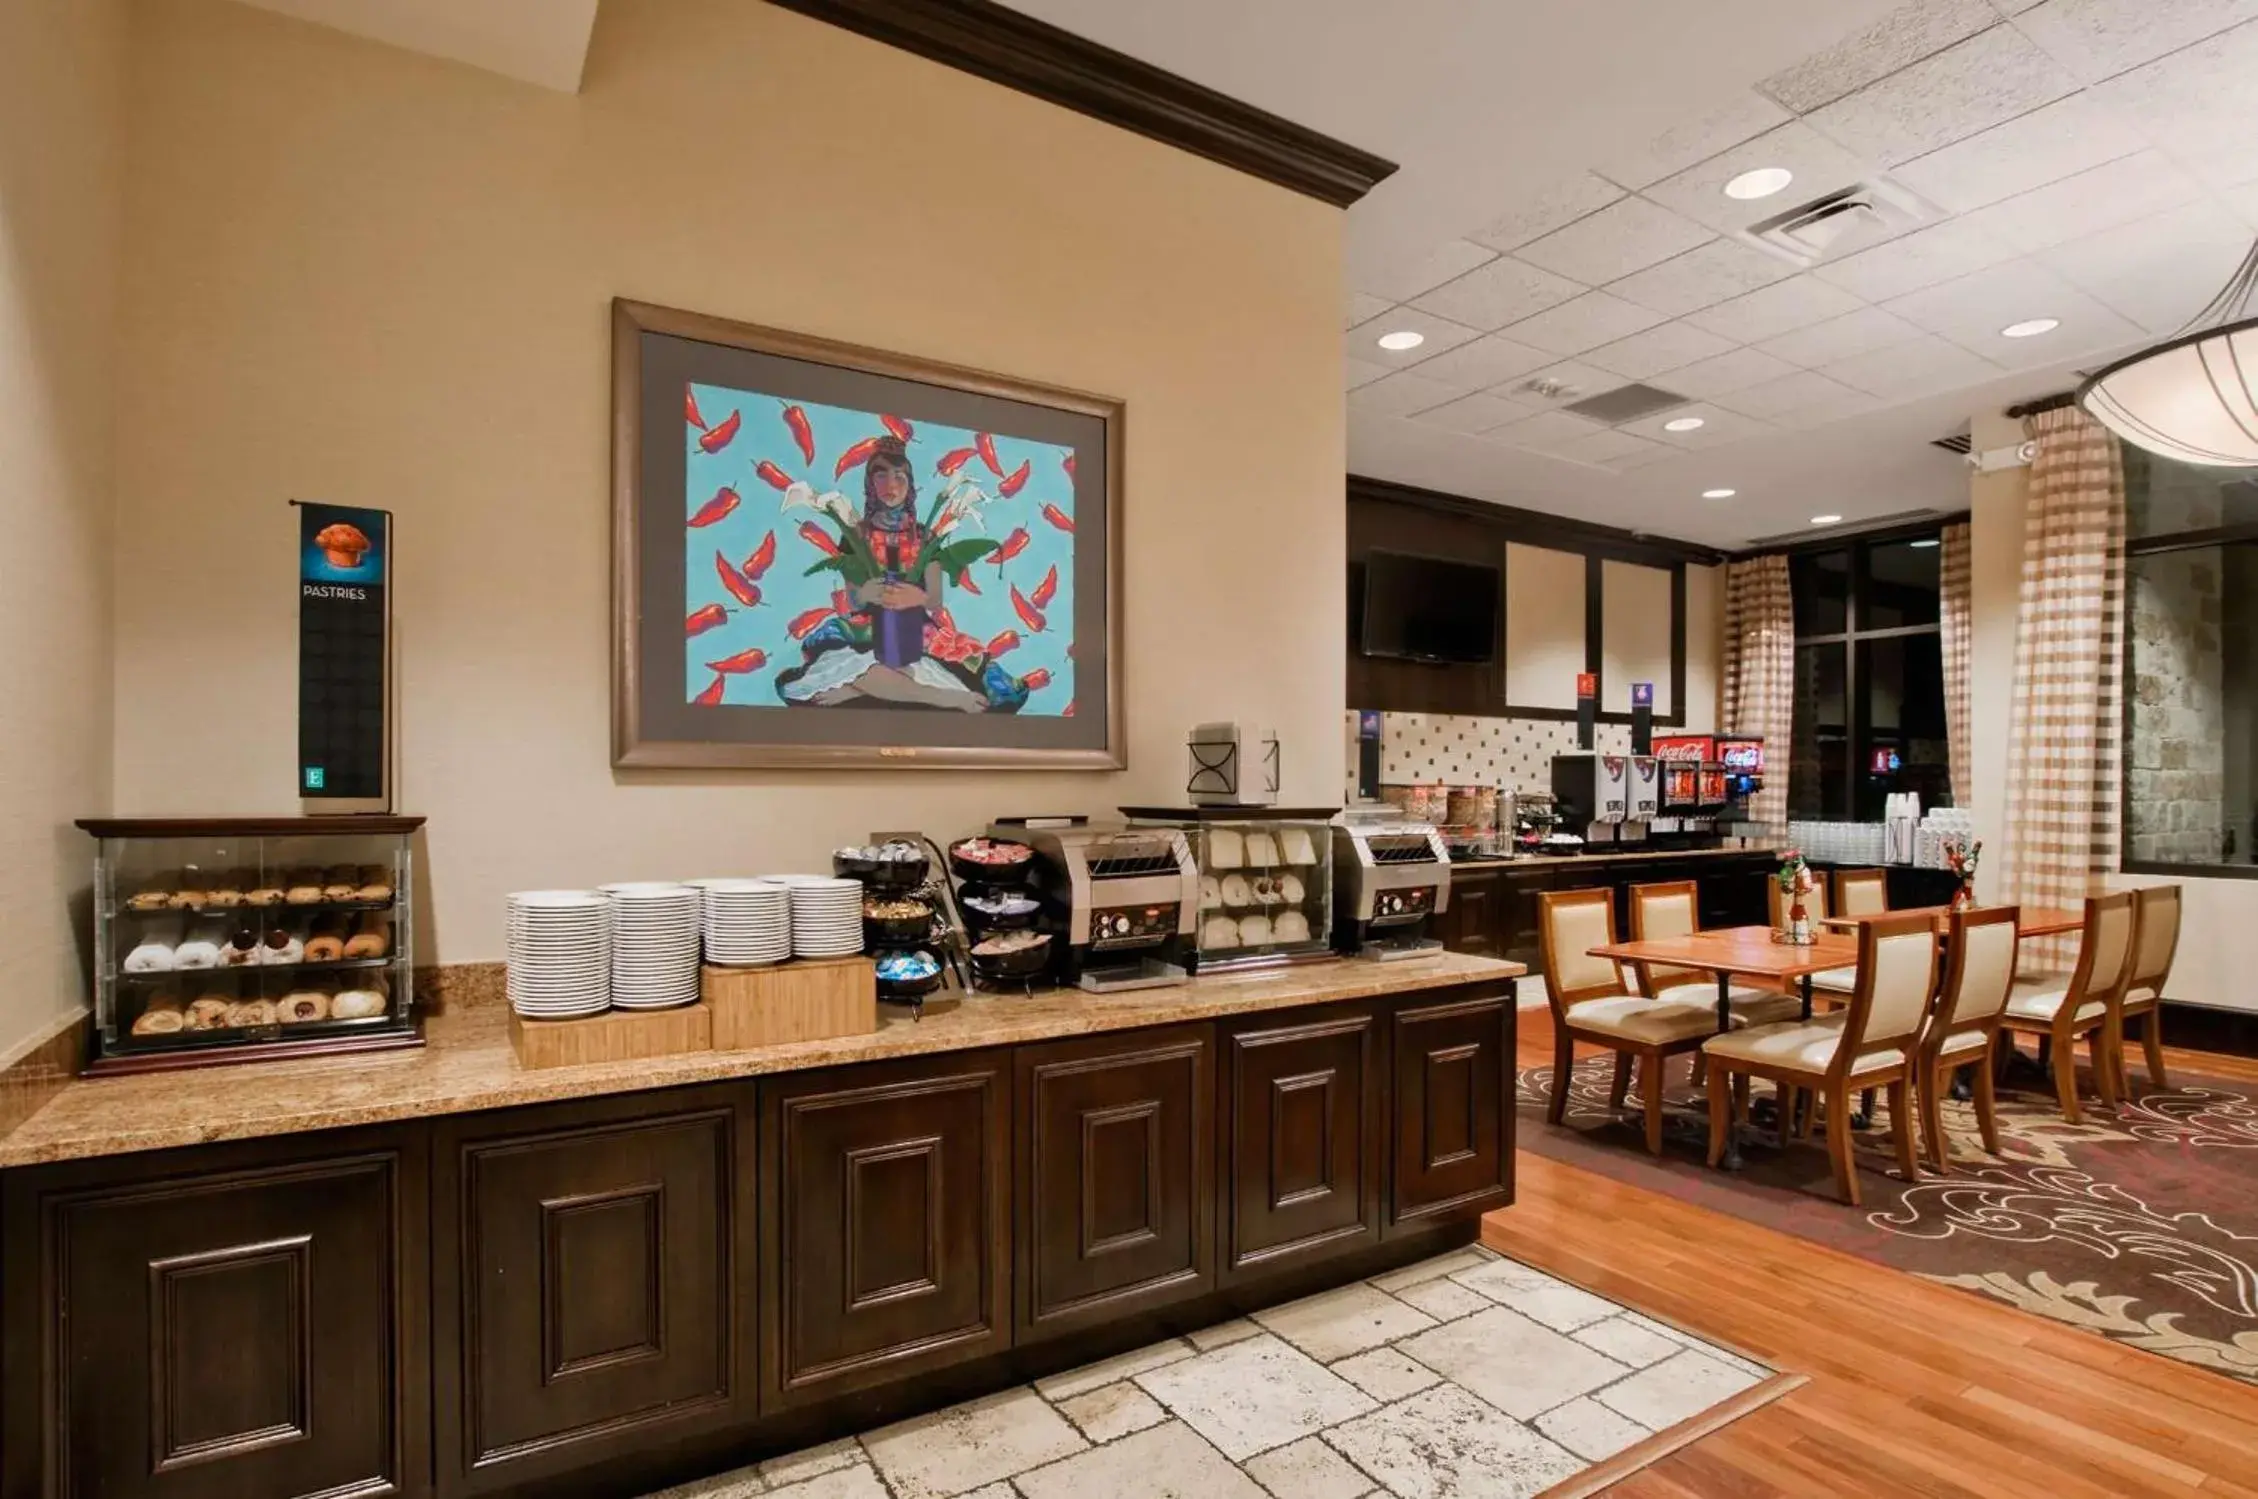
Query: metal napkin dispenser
{"points": [[1232, 765]]}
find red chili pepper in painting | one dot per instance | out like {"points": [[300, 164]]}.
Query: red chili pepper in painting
{"points": [[712, 617], [690, 407], [1013, 545], [763, 556], [1028, 614], [1058, 518], [1036, 680], [898, 427], [743, 661], [1046, 590], [942, 618], [744, 592], [955, 459], [855, 456], [968, 583], [802, 433], [774, 477], [724, 500], [1067, 463], [1068, 710], [840, 604], [987, 447], [818, 538], [718, 435], [1016, 482], [803, 625], [711, 697], [1008, 640]]}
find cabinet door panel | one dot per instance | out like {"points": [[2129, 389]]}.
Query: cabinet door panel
{"points": [[885, 1222], [1475, 923], [1302, 1137], [1116, 1156], [588, 1282], [1453, 1114]]}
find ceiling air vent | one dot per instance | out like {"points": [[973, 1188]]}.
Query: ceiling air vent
{"points": [[1625, 403], [1843, 222], [1959, 442]]}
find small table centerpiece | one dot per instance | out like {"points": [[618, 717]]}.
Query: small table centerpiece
{"points": [[1796, 882], [1960, 857]]}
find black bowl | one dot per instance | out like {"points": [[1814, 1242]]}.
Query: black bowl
{"points": [[1012, 967], [896, 931], [980, 872], [998, 921], [902, 991], [882, 874]]}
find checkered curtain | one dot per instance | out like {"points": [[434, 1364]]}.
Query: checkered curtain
{"points": [[1760, 674], [1953, 638], [2065, 745]]}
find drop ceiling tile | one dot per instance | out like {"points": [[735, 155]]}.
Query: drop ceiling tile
{"points": [[1448, 261], [1718, 427], [1608, 446], [2099, 39], [1904, 36], [1797, 302], [2125, 191], [1553, 206], [1484, 362], [1646, 456], [1504, 291], [1925, 367], [1361, 372], [2160, 272], [1627, 235], [1401, 394], [1971, 310], [1695, 140], [1820, 167], [1923, 258], [1713, 378], [1823, 413], [1593, 319], [2242, 202], [2198, 105], [1474, 414], [1361, 307], [1566, 381], [1860, 332], [1546, 427], [1776, 398], [1984, 81], [2046, 145], [1667, 346], [1362, 341], [1701, 278]]}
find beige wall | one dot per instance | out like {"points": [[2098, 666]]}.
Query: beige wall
{"points": [[1705, 649], [364, 276], [61, 76]]}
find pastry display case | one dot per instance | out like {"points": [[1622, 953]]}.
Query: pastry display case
{"points": [[1266, 882], [224, 940]]}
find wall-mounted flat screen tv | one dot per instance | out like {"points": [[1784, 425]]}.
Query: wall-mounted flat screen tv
{"points": [[1429, 609]]}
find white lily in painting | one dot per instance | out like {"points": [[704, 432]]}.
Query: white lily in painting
{"points": [[961, 504], [802, 496]]}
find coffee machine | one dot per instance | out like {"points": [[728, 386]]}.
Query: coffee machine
{"points": [[1593, 795], [1122, 903], [1389, 876]]}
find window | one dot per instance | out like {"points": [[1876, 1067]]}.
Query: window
{"points": [[2191, 666], [1869, 678]]}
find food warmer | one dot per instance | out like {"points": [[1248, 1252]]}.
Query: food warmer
{"points": [[220, 940], [1265, 882], [1391, 875], [1122, 903]]}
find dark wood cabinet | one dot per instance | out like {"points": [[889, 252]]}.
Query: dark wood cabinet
{"points": [[592, 1279], [885, 1222], [1473, 922], [1116, 1151], [210, 1326], [1302, 1135], [1453, 1109]]}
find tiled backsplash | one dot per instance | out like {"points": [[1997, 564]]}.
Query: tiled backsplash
{"points": [[1456, 750]]}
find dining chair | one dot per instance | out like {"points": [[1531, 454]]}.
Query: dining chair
{"points": [[1862, 892], [1833, 984], [2059, 1010], [2156, 941], [1591, 1003], [1869, 1045], [1963, 1025]]}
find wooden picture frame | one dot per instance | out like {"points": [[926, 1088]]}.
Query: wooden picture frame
{"points": [[929, 650]]}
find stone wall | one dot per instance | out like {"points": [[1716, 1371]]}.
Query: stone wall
{"points": [[2177, 770]]}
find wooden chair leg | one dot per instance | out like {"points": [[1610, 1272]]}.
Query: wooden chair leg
{"points": [[1809, 1120], [1933, 1085], [1650, 1095], [1788, 1094], [1987, 1104], [1838, 1143], [1563, 1063], [2102, 1051], [1720, 1111], [1622, 1083], [1901, 1125], [2152, 1043], [2065, 1079]]}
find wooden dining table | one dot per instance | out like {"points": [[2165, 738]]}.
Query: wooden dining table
{"points": [[2030, 921]]}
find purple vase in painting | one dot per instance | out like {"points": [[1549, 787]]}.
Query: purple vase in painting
{"points": [[899, 636]]}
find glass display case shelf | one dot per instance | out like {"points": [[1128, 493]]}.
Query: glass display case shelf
{"points": [[177, 977], [1266, 882]]}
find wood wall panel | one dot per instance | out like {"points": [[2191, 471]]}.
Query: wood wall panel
{"points": [[1453, 1073], [1302, 1130]]}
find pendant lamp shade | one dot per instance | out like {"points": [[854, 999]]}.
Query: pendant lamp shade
{"points": [[2193, 397]]}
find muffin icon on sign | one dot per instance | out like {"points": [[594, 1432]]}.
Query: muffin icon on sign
{"points": [[342, 546]]}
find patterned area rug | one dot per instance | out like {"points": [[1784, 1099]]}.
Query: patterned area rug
{"points": [[2139, 1225]]}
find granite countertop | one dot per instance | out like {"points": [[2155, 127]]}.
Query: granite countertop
{"points": [[468, 1064], [1606, 854]]}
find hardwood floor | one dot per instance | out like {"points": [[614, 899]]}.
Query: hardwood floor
{"points": [[1914, 1388]]}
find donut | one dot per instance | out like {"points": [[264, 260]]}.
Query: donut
{"points": [[209, 1013], [376, 883], [302, 1005], [162, 1018], [372, 937], [356, 1004], [251, 1012]]}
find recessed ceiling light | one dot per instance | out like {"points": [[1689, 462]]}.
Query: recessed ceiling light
{"points": [[2030, 327], [1826, 520], [1930, 542], [1401, 339], [1761, 183], [1683, 424], [1719, 494]]}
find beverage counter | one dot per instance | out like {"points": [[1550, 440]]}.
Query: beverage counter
{"points": [[1493, 902]]}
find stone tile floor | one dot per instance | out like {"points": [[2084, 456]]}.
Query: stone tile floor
{"points": [[1464, 1375]]}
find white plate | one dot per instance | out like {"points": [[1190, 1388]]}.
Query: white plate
{"points": [[558, 898]]}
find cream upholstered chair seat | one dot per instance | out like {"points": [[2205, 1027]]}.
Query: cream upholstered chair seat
{"points": [[1966, 1043], [1653, 1021], [1698, 993], [2039, 1002], [1806, 1045], [1836, 980]]}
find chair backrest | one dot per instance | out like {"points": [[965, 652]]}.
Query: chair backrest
{"points": [[1665, 910], [1980, 972], [2156, 937], [1861, 892], [1814, 904], [2105, 952], [1897, 972], [1570, 923]]}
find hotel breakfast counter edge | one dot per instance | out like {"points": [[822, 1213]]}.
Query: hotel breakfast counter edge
{"points": [[433, 1273]]}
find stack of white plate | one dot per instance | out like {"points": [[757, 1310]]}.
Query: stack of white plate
{"points": [[654, 945], [826, 916], [747, 922], [559, 947]]}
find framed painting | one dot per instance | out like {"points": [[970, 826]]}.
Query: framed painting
{"points": [[826, 556]]}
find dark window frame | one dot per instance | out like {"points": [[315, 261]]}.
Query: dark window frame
{"points": [[1858, 729]]}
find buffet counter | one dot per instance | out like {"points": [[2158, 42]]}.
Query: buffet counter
{"points": [[1621, 853]]}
